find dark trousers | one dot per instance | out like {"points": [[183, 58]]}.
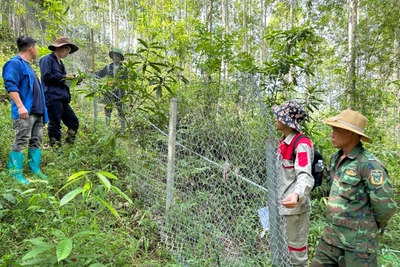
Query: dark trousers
{"points": [[114, 99], [60, 111], [109, 108]]}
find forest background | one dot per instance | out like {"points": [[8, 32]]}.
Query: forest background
{"points": [[329, 55]]}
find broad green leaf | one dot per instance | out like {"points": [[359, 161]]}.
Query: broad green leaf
{"points": [[122, 194], [90, 95], [168, 89], [68, 197], [155, 67], [143, 43], [108, 206], [64, 248], [77, 174], [87, 188], [37, 241], [33, 207], [37, 251], [159, 64], [58, 234], [97, 265], [67, 184], [109, 175], [28, 191], [9, 197], [104, 180]]}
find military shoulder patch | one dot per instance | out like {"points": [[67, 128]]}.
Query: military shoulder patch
{"points": [[376, 177], [351, 173]]}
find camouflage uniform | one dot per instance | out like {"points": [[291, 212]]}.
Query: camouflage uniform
{"points": [[114, 97], [359, 208]]}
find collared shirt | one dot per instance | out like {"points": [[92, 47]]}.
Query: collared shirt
{"points": [[297, 176], [53, 75], [360, 202]]}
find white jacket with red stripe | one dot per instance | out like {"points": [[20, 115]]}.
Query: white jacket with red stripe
{"points": [[297, 177]]}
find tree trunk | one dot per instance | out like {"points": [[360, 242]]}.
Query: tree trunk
{"points": [[351, 64], [291, 71], [225, 21], [307, 77], [244, 26], [116, 24], [397, 92], [263, 25]]}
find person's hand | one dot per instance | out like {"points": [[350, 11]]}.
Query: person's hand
{"points": [[290, 201], [69, 76], [23, 113]]}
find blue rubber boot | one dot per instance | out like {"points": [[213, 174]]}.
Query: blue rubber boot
{"points": [[34, 162], [15, 163]]}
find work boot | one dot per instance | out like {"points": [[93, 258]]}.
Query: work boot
{"points": [[34, 156], [55, 144], [15, 164], [71, 136]]}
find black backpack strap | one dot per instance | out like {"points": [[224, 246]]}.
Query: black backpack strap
{"points": [[300, 136]]}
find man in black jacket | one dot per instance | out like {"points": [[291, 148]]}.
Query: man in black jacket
{"points": [[57, 93]]}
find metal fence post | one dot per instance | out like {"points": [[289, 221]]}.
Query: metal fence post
{"points": [[279, 252], [171, 152]]}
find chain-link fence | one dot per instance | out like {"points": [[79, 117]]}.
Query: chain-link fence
{"points": [[207, 177]]}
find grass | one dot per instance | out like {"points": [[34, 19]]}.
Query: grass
{"points": [[31, 218], [37, 231]]}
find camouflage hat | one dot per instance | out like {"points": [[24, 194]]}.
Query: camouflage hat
{"points": [[291, 114], [350, 120], [118, 52]]}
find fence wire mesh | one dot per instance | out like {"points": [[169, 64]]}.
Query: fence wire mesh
{"points": [[224, 162]]}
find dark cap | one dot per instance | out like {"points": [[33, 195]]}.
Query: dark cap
{"points": [[25, 41]]}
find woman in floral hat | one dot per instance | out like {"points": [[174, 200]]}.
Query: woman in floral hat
{"points": [[297, 181]]}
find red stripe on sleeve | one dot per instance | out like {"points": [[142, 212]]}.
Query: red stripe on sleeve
{"points": [[302, 159], [297, 249]]}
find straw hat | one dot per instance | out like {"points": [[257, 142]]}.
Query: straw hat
{"points": [[291, 114], [61, 41], [350, 120]]}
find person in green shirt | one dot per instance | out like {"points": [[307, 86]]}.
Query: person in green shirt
{"points": [[360, 202]]}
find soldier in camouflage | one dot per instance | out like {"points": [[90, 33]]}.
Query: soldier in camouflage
{"points": [[114, 98], [360, 203]]}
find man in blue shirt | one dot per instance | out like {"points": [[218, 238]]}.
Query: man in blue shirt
{"points": [[57, 92], [28, 109]]}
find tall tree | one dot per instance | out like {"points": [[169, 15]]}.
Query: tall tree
{"points": [[351, 64]]}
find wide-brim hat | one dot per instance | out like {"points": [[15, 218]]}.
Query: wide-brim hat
{"points": [[118, 52], [291, 114], [62, 41], [350, 120]]}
